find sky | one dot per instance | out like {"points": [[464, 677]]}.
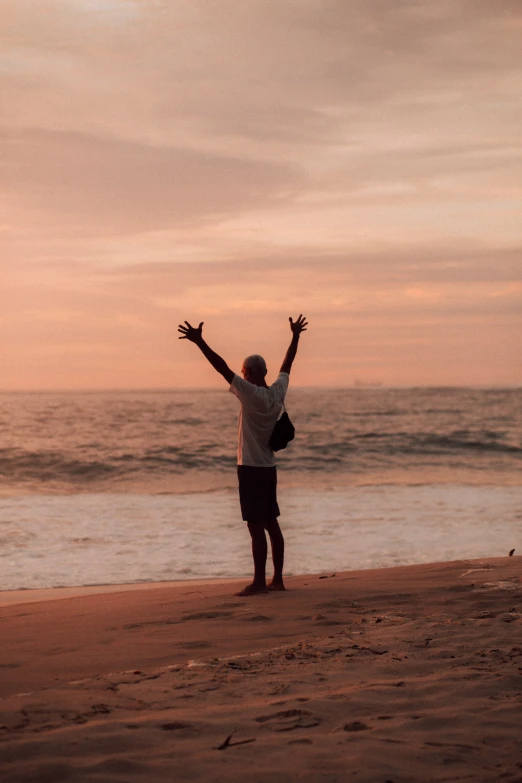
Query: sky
{"points": [[238, 162]]}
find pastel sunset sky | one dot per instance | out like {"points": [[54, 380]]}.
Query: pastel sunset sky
{"points": [[239, 161]]}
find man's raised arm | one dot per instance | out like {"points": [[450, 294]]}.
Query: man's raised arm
{"points": [[189, 332], [297, 327]]}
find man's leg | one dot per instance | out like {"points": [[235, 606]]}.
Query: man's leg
{"points": [[278, 553], [259, 553]]}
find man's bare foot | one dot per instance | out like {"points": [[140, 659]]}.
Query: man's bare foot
{"points": [[252, 589], [276, 586]]}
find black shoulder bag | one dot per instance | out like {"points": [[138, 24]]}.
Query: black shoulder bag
{"points": [[283, 432]]}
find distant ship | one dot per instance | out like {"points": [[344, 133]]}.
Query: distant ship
{"points": [[366, 384]]}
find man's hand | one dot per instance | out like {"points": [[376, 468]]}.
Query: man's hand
{"points": [[189, 332], [298, 326]]}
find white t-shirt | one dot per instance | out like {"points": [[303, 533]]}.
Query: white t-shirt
{"points": [[260, 409]]}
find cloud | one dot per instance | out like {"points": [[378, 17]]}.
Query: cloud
{"points": [[374, 101], [358, 160], [107, 185], [301, 73]]}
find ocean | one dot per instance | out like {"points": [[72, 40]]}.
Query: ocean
{"points": [[120, 487]]}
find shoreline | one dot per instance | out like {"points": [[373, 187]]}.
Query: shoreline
{"points": [[43, 594], [290, 478], [406, 673], [85, 540]]}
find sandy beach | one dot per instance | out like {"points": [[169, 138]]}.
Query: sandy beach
{"points": [[404, 674]]}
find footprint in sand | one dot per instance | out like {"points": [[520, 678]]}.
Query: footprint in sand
{"points": [[196, 645], [288, 720], [321, 619], [207, 616], [175, 726], [166, 621], [355, 725], [101, 709], [339, 603]]}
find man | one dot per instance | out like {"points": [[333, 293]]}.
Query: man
{"points": [[257, 473]]}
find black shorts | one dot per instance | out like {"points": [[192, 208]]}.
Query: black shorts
{"points": [[258, 493]]}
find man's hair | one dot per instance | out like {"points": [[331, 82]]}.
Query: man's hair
{"points": [[255, 364]]}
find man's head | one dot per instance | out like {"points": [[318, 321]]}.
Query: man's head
{"points": [[254, 369]]}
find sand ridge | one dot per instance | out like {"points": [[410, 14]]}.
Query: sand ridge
{"points": [[407, 674]]}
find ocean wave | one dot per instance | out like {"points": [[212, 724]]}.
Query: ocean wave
{"points": [[100, 442], [416, 443], [466, 441], [50, 466], [358, 452], [19, 468]]}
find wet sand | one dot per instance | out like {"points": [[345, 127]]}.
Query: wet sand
{"points": [[406, 674]]}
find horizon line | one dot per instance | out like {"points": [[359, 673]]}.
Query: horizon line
{"points": [[345, 387]]}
